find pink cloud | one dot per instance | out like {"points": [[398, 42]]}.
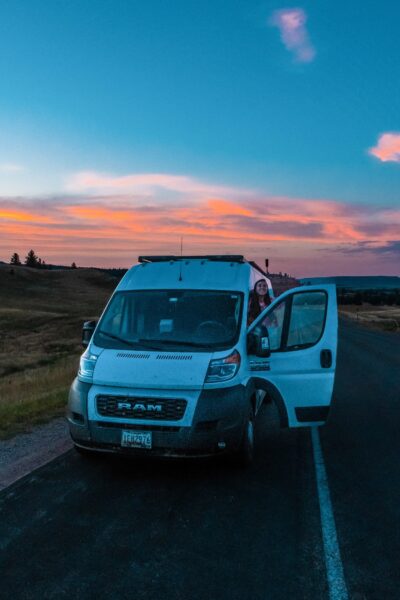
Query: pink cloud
{"points": [[113, 219], [143, 183], [387, 148], [291, 24]]}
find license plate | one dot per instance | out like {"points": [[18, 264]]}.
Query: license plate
{"points": [[136, 439]]}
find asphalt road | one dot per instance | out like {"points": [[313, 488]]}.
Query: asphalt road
{"points": [[112, 528]]}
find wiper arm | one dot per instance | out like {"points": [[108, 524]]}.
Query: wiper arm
{"points": [[132, 344]]}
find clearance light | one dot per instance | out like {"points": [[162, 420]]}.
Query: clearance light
{"points": [[222, 369]]}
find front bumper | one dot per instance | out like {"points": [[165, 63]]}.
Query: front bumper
{"points": [[217, 426]]}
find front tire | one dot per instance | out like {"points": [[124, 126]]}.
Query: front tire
{"points": [[245, 453]]}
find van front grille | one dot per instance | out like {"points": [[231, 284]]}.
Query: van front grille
{"points": [[160, 409]]}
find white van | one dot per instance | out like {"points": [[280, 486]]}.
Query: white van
{"points": [[172, 368]]}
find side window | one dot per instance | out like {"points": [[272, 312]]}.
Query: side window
{"points": [[274, 323], [307, 318]]}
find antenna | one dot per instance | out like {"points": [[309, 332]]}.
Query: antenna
{"points": [[180, 262]]}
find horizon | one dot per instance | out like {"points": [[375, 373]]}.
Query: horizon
{"points": [[67, 267], [263, 129]]}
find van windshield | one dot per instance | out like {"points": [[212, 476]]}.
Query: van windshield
{"points": [[176, 320]]}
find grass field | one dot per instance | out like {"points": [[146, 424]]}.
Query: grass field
{"points": [[386, 318], [41, 316]]}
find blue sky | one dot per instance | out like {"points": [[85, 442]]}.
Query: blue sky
{"points": [[206, 90]]}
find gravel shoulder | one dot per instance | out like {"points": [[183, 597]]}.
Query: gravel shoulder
{"points": [[28, 451]]}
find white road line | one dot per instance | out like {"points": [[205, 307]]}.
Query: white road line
{"points": [[333, 562]]}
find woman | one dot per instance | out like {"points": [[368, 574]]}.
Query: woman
{"points": [[259, 300]]}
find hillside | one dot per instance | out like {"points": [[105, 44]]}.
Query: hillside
{"points": [[281, 283], [41, 316], [43, 310]]}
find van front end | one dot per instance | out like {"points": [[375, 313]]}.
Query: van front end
{"points": [[160, 374], [179, 422]]}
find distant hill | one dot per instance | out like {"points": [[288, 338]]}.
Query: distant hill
{"points": [[380, 282], [281, 283], [82, 292]]}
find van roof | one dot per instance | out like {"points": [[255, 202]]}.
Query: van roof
{"points": [[216, 272], [213, 257]]}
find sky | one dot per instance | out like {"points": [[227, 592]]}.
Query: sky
{"points": [[268, 129]]}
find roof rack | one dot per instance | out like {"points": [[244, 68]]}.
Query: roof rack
{"points": [[212, 257]]}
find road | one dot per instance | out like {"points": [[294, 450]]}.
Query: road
{"points": [[113, 528]]}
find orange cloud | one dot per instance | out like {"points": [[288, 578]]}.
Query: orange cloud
{"points": [[387, 148], [112, 229], [19, 215], [224, 207]]}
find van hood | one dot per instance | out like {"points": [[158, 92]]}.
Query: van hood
{"points": [[146, 369]]}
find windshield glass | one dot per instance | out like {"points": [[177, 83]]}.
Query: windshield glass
{"points": [[171, 319]]}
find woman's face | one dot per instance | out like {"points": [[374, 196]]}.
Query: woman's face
{"points": [[261, 288]]}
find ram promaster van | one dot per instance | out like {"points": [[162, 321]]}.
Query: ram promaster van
{"points": [[172, 369]]}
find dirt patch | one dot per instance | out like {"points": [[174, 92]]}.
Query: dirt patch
{"points": [[384, 318]]}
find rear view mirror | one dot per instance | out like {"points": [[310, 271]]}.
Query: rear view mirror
{"points": [[87, 332]]}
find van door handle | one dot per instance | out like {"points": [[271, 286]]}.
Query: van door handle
{"points": [[326, 359]]}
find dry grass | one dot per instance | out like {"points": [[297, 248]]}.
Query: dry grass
{"points": [[34, 395], [386, 318], [41, 316]]}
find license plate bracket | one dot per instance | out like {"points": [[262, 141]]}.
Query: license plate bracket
{"points": [[136, 439]]}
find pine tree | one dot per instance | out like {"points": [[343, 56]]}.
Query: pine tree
{"points": [[31, 260], [73, 266], [15, 260]]}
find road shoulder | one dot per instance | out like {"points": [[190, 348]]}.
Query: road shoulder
{"points": [[26, 452]]}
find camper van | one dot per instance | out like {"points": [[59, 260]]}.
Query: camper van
{"points": [[173, 369]]}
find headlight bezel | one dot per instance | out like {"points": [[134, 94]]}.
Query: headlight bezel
{"points": [[223, 369], [87, 365]]}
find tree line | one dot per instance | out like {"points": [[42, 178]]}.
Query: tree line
{"points": [[376, 297], [32, 260]]}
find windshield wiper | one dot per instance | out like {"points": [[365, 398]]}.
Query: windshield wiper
{"points": [[132, 344]]}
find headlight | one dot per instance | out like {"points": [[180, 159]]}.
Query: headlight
{"points": [[222, 369], [86, 366]]}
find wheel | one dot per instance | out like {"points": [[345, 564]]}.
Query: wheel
{"points": [[245, 453]]}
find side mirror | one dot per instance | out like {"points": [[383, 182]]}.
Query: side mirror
{"points": [[87, 332], [264, 349], [258, 342]]}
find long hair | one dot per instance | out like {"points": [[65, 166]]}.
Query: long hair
{"points": [[254, 304]]}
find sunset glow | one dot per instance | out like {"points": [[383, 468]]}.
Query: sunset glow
{"points": [[113, 229], [269, 130]]}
